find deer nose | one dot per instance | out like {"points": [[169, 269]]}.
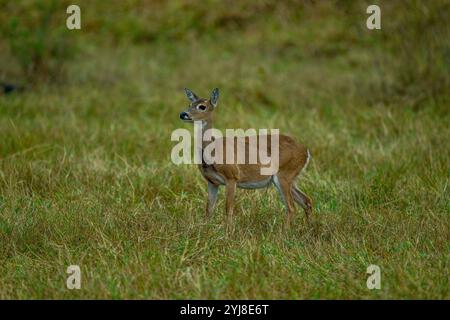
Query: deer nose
{"points": [[184, 116]]}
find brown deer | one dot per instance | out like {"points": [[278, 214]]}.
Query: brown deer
{"points": [[292, 159]]}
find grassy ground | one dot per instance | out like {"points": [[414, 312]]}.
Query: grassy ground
{"points": [[86, 176]]}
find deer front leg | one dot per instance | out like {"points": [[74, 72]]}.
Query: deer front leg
{"points": [[230, 188], [212, 198]]}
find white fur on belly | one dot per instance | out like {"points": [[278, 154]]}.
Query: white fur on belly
{"points": [[255, 184], [243, 185]]}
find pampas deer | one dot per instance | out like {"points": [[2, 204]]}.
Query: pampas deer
{"points": [[292, 159]]}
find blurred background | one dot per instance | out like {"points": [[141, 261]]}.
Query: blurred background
{"points": [[85, 123], [243, 45]]}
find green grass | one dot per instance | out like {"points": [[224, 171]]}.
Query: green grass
{"points": [[86, 176]]}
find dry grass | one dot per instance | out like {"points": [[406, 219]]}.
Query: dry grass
{"points": [[86, 177]]}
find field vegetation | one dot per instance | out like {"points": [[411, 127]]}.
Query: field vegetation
{"points": [[86, 177]]}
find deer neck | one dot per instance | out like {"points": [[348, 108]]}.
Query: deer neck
{"points": [[206, 125], [201, 145]]}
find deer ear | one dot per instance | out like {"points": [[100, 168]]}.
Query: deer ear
{"points": [[191, 96], [214, 97]]}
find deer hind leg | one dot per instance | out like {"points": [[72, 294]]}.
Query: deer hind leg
{"points": [[212, 198], [303, 200], [284, 186]]}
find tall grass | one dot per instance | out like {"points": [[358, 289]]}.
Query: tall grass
{"points": [[86, 176], [36, 38]]}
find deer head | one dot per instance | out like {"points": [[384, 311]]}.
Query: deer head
{"points": [[200, 109]]}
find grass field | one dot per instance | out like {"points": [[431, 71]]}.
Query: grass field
{"points": [[86, 177]]}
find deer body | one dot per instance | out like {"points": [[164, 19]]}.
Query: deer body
{"points": [[293, 157]]}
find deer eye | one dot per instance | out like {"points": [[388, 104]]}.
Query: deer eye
{"points": [[201, 107]]}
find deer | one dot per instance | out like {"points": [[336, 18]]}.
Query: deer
{"points": [[293, 159]]}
